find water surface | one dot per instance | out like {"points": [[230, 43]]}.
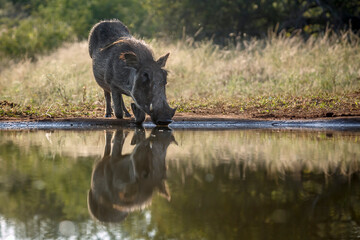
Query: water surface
{"points": [[162, 184]]}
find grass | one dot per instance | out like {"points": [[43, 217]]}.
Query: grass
{"points": [[279, 76], [265, 106]]}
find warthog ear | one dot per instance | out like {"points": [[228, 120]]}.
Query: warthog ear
{"points": [[162, 60], [130, 59]]}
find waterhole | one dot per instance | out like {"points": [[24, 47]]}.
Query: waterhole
{"points": [[180, 184]]}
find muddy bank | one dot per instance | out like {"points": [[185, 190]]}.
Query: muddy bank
{"points": [[188, 122]]}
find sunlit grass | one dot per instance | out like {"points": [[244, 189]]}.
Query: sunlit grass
{"points": [[271, 74], [277, 65]]}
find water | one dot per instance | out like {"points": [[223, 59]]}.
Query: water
{"points": [[161, 184]]}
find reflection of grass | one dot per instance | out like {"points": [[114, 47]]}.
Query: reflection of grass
{"points": [[265, 76], [276, 151]]}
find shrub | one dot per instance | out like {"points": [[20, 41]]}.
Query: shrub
{"points": [[33, 36]]}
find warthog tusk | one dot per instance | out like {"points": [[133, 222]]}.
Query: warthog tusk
{"points": [[151, 107]]}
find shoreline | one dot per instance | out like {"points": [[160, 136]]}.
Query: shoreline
{"points": [[188, 121]]}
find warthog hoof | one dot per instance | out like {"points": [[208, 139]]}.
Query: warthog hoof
{"points": [[127, 114], [163, 122]]}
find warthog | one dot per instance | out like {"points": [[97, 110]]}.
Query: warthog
{"points": [[122, 183], [125, 65]]}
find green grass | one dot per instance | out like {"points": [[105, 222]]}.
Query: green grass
{"points": [[276, 75], [276, 106]]}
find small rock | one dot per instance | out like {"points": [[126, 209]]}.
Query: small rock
{"points": [[67, 228], [329, 114]]}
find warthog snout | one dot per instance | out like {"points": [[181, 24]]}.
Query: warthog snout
{"points": [[164, 116]]}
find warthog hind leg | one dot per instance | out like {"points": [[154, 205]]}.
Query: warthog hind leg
{"points": [[108, 109]]}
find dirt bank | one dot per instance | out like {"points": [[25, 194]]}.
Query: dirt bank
{"points": [[258, 108]]}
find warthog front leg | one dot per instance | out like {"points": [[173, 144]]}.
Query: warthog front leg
{"points": [[108, 111], [127, 114], [119, 139], [119, 105], [138, 113]]}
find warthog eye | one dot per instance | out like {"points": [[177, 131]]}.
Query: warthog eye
{"points": [[145, 78]]}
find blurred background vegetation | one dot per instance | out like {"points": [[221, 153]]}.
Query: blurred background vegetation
{"points": [[31, 27]]}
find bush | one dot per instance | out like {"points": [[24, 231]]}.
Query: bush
{"points": [[29, 27], [33, 36]]}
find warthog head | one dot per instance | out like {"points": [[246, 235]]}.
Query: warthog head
{"points": [[148, 89]]}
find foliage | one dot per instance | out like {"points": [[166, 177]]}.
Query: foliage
{"points": [[33, 36], [33, 27], [22, 33]]}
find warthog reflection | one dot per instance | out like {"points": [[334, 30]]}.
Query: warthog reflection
{"points": [[123, 183]]}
